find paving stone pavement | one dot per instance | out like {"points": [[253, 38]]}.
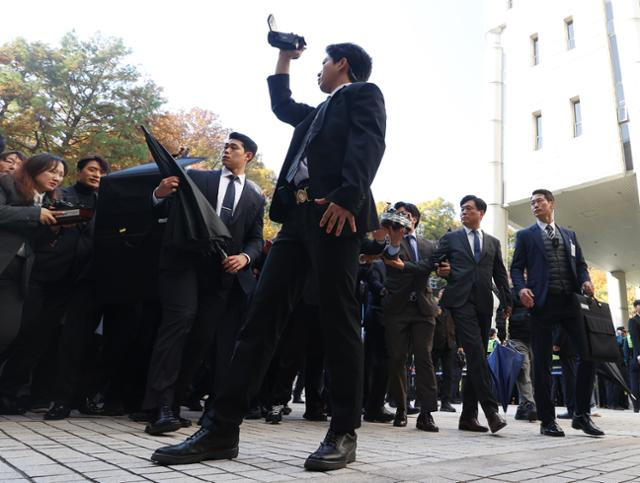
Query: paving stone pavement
{"points": [[116, 449]]}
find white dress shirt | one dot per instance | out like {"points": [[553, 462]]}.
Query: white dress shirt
{"points": [[222, 188], [470, 238]]}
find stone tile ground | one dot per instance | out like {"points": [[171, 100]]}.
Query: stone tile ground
{"points": [[118, 450]]}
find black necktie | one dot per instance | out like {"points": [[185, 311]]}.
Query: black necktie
{"points": [[226, 212], [477, 251], [300, 155]]}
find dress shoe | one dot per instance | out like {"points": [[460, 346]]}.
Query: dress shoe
{"points": [[166, 422], [471, 425], [90, 408], [585, 423], [275, 414], [205, 444], [496, 422], [400, 419], [425, 422], [567, 415], [184, 422], [335, 452], [381, 416], [286, 410], [58, 411], [412, 409], [314, 416], [446, 407], [551, 429], [254, 413], [526, 412], [11, 406]]}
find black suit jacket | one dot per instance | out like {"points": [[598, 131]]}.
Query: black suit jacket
{"points": [[414, 278], [634, 332], [245, 227], [473, 279], [19, 224], [344, 151]]}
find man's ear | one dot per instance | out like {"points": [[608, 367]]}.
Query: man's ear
{"points": [[343, 65]]}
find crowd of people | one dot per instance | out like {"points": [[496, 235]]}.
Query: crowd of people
{"points": [[349, 310]]}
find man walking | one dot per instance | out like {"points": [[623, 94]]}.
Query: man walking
{"points": [[555, 269], [476, 261], [633, 358], [324, 201]]}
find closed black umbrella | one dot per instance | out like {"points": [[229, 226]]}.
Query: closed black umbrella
{"points": [[193, 224], [611, 371]]}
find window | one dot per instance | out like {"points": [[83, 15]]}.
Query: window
{"points": [[577, 117], [537, 130], [535, 50], [571, 40]]}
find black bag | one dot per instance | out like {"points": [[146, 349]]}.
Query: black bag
{"points": [[597, 332]]}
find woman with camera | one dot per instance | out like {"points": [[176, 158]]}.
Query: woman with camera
{"points": [[23, 218]]}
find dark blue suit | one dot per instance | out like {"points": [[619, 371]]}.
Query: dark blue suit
{"points": [[550, 309]]}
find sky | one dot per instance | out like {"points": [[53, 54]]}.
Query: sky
{"points": [[427, 60]]}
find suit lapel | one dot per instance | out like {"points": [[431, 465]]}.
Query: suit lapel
{"points": [[486, 240], [464, 239], [213, 184], [318, 120], [405, 250], [242, 201], [537, 238]]}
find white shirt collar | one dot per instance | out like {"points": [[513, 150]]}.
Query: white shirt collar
{"points": [[543, 225], [38, 198], [338, 88], [226, 172], [469, 230]]}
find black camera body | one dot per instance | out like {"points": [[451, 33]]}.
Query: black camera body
{"points": [[281, 40], [69, 213]]}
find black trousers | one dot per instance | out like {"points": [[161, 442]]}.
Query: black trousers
{"points": [[300, 346], [558, 309], [444, 357], [300, 248], [472, 329], [634, 380], [411, 332], [376, 360], [44, 307], [191, 295], [11, 301]]}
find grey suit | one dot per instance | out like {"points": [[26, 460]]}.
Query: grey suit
{"points": [[468, 295], [409, 318], [19, 225]]}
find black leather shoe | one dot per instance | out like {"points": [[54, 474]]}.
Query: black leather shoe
{"points": [[166, 422], [566, 415], [335, 452], [58, 411], [314, 416], [496, 422], [381, 416], [585, 423], [425, 422], [286, 410], [11, 406], [400, 419], [447, 407], [551, 429], [471, 425], [412, 409], [203, 445]]}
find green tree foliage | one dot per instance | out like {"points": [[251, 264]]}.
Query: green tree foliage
{"points": [[77, 98], [436, 218]]}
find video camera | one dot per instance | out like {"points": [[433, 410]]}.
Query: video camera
{"points": [[70, 213], [283, 41], [391, 218]]}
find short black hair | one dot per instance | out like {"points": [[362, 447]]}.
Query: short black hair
{"points": [[411, 208], [548, 195], [359, 61], [248, 143], [19, 154], [104, 165], [636, 302], [479, 202]]}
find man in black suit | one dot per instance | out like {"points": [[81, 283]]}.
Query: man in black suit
{"points": [[409, 318], [443, 353], [324, 201], [633, 358], [198, 290], [476, 260], [555, 269]]}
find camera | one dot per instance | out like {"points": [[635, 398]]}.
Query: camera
{"points": [[70, 213], [283, 41], [391, 218]]}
